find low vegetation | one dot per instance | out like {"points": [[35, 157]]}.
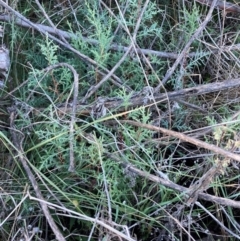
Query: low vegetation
{"points": [[119, 120]]}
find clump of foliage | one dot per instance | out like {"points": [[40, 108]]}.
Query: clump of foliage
{"points": [[114, 192]]}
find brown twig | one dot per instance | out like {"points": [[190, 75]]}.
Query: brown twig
{"points": [[185, 138], [115, 47], [194, 191]]}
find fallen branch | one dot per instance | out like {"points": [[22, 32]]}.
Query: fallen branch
{"points": [[170, 184], [138, 99], [67, 35], [167, 183], [115, 47]]}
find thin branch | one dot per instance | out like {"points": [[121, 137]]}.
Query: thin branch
{"points": [[113, 46], [186, 138], [174, 186], [137, 99]]}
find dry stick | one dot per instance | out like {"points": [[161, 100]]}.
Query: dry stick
{"points": [[93, 89], [194, 141], [115, 47], [184, 137], [174, 186], [187, 46], [115, 80], [24, 161], [138, 99]]}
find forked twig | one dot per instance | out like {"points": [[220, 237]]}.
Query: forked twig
{"points": [[113, 46], [116, 104]]}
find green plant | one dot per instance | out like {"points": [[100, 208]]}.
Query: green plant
{"points": [[114, 191]]}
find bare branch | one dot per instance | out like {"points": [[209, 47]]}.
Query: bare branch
{"points": [[184, 137], [174, 186], [115, 47], [137, 99]]}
